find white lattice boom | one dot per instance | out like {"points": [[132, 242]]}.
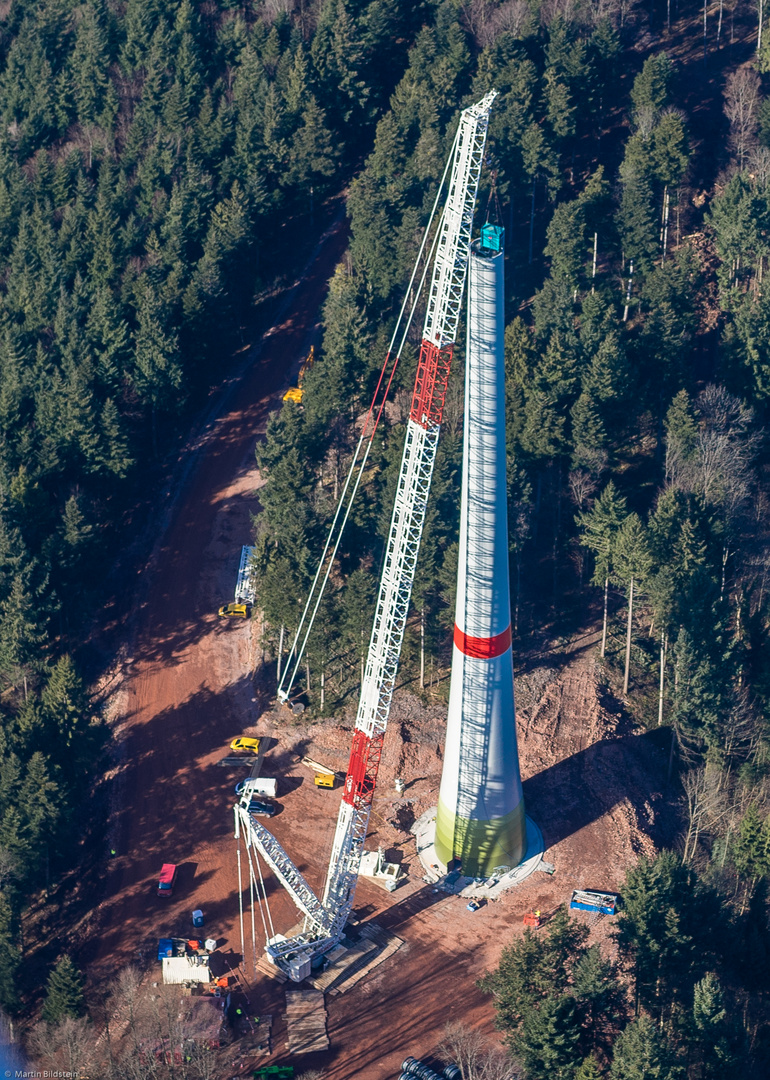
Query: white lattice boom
{"points": [[325, 921]]}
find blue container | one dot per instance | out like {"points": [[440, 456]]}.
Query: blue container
{"points": [[492, 237], [165, 948], [197, 918]]}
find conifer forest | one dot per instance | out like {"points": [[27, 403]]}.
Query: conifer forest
{"points": [[166, 166]]}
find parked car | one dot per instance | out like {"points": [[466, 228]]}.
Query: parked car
{"points": [[167, 879], [474, 905], [238, 611], [262, 808], [243, 743]]}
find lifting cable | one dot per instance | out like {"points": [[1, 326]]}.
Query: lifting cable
{"points": [[255, 888], [240, 894], [264, 893], [357, 467]]}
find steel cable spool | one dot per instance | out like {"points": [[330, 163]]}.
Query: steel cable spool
{"points": [[452, 1072], [408, 1063]]}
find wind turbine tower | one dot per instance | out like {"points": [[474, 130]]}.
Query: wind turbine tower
{"points": [[480, 819]]}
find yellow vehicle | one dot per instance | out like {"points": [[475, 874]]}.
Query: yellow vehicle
{"points": [[239, 611], [325, 779], [294, 393], [242, 743]]}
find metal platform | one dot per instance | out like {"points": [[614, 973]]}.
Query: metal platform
{"points": [[245, 588]]}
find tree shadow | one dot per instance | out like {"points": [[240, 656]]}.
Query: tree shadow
{"points": [[580, 789]]}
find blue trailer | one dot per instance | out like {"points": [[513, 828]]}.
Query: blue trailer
{"points": [[603, 903], [165, 947]]}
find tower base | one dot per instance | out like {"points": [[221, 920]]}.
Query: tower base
{"points": [[449, 880]]}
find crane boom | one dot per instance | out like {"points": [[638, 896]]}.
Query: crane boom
{"points": [[325, 921]]}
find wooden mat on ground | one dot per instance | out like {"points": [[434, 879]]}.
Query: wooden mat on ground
{"points": [[306, 1021], [343, 961], [272, 972], [352, 962], [385, 945]]}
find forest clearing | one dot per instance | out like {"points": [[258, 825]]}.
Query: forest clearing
{"points": [[201, 199]]}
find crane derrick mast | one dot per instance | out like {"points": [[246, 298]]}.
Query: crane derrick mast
{"points": [[325, 920]]}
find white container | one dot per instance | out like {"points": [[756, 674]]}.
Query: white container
{"points": [[262, 786]]}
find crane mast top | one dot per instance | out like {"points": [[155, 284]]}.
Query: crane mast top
{"points": [[325, 921]]}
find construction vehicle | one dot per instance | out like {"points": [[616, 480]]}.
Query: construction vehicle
{"points": [[294, 393], [245, 587], [325, 918], [322, 776]]}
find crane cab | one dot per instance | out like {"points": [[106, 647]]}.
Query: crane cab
{"points": [[325, 779]]}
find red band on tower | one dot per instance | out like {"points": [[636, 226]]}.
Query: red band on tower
{"points": [[483, 648]]}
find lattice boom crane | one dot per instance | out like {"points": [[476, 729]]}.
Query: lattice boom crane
{"points": [[325, 919]]}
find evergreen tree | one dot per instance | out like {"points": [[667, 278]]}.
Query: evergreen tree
{"points": [[663, 930], [751, 853], [601, 528], [548, 1042], [637, 221], [632, 565], [64, 992], [652, 87], [10, 955], [643, 1053], [711, 1029], [589, 1069]]}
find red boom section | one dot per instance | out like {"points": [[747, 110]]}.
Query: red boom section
{"points": [[430, 384], [365, 757]]}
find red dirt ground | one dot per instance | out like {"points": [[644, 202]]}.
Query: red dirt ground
{"points": [[591, 781]]}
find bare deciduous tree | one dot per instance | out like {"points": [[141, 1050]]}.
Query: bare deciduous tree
{"points": [[271, 9], [706, 804], [66, 1047], [726, 448], [552, 9], [514, 17], [742, 96], [478, 1057], [759, 165], [582, 485]]}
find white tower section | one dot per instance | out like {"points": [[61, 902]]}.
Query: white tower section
{"points": [[480, 819]]}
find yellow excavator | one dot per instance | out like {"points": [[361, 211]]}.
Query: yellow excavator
{"points": [[294, 393]]}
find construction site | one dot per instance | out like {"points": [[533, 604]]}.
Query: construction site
{"points": [[329, 879]]}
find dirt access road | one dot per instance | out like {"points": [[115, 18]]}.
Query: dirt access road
{"points": [[185, 689]]}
